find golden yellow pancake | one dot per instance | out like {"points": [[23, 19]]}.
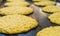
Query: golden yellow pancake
{"points": [[14, 0], [51, 9], [16, 10], [55, 18], [12, 24], [40, 0], [23, 4], [44, 3], [50, 31]]}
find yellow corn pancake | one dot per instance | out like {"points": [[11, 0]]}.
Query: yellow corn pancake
{"points": [[16, 10], [40, 0], [55, 18], [45, 3], [24, 4], [12, 24], [14, 0], [51, 9], [50, 31]]}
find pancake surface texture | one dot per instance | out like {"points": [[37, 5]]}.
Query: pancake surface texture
{"points": [[40, 0], [45, 3], [50, 31], [55, 18], [12, 24], [16, 10], [15, 0], [51, 9], [24, 4]]}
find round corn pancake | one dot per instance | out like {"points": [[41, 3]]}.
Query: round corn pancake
{"points": [[12, 24], [16, 10], [44, 3], [40, 0], [14, 0], [55, 18], [24, 4], [51, 9], [50, 31]]}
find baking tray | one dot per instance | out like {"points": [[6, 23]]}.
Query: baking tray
{"points": [[40, 16]]}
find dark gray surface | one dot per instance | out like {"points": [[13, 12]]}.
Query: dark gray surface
{"points": [[58, 0]]}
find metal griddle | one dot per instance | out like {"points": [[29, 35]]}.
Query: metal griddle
{"points": [[40, 16]]}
